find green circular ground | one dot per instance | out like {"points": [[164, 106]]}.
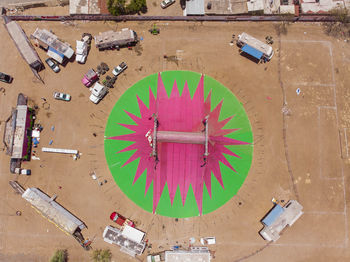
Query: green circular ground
{"points": [[124, 176]]}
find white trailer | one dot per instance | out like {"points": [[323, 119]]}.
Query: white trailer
{"points": [[60, 150], [112, 39], [265, 49]]}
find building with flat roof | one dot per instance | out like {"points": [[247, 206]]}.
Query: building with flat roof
{"points": [[129, 239], [17, 130], [278, 218], [216, 7], [195, 254], [91, 7]]}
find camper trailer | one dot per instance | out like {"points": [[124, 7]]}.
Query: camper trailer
{"points": [[112, 39], [254, 47]]}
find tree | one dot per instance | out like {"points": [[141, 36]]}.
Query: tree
{"points": [[137, 6], [100, 255], [340, 27], [60, 255], [118, 7]]}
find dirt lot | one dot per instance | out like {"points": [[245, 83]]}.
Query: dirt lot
{"points": [[301, 149]]}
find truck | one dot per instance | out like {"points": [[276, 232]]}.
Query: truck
{"points": [[89, 78], [81, 52], [83, 47], [98, 92], [112, 39], [119, 69]]}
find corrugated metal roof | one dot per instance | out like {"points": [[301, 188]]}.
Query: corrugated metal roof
{"points": [[22, 43], [20, 131], [52, 210]]}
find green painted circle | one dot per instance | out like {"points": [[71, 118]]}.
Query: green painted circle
{"points": [[124, 176]]}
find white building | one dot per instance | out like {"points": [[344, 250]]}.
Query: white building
{"points": [[129, 239], [278, 218]]}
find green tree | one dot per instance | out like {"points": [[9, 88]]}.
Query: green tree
{"points": [[100, 255], [137, 6], [60, 255], [116, 7]]}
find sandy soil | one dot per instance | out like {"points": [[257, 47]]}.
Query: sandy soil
{"points": [[299, 154]]}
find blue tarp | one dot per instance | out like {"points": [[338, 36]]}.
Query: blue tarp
{"points": [[252, 51], [273, 215]]}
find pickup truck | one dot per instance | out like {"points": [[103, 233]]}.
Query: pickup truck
{"points": [[119, 69], [89, 78]]}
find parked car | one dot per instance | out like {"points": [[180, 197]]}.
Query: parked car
{"points": [[6, 78], [120, 220], [89, 78], [53, 65], [119, 69], [61, 96], [166, 3]]}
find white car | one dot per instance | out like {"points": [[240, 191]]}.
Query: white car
{"points": [[81, 52], [53, 65], [166, 3], [62, 96], [98, 92], [119, 69]]}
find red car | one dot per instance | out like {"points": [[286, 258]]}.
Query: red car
{"points": [[120, 220]]}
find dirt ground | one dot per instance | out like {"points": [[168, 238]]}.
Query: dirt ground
{"points": [[301, 149]]}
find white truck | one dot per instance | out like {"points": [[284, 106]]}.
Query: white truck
{"points": [[81, 52], [98, 91], [83, 47]]}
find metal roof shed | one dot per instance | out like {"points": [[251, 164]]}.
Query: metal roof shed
{"points": [[53, 211], [252, 51]]}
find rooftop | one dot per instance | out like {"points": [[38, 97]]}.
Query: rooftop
{"points": [[22, 43], [52, 40], [187, 256], [52, 210], [111, 36], [225, 7], [115, 236], [19, 135], [84, 7]]}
